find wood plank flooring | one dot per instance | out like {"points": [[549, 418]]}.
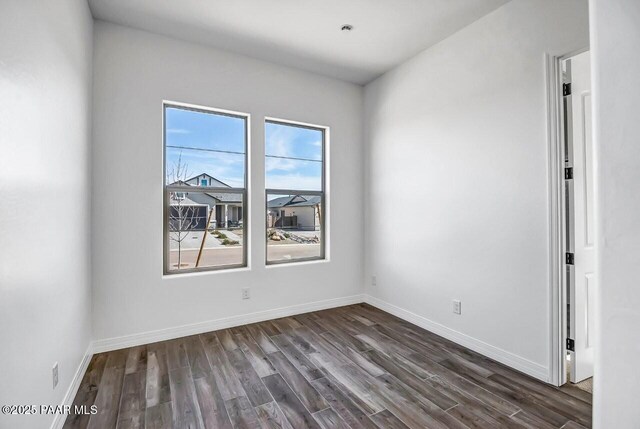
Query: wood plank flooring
{"points": [[349, 367]]}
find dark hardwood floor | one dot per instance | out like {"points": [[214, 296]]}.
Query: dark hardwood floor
{"points": [[350, 367]]}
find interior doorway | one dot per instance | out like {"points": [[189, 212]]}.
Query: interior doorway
{"points": [[579, 269]]}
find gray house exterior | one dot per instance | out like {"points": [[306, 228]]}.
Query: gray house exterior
{"points": [[223, 210], [294, 212]]}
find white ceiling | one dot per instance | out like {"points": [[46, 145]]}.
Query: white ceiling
{"points": [[306, 33]]}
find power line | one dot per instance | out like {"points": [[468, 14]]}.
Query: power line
{"points": [[294, 158], [242, 153], [206, 150]]}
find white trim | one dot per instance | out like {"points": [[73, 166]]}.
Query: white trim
{"points": [[59, 418], [295, 123], [205, 109], [295, 263], [512, 360], [556, 214], [109, 344]]}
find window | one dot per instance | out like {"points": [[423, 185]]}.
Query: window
{"points": [[204, 189], [295, 182]]}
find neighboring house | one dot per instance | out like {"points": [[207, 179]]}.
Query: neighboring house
{"points": [[224, 210], [294, 212], [205, 180]]}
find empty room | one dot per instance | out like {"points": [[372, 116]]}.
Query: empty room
{"points": [[319, 214]]}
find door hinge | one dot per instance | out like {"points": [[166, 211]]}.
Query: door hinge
{"points": [[569, 258], [566, 89], [568, 173], [571, 345]]}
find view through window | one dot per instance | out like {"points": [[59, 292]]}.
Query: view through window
{"points": [[205, 189], [294, 165]]}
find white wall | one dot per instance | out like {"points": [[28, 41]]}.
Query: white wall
{"points": [[45, 294], [457, 137], [615, 36], [134, 72]]}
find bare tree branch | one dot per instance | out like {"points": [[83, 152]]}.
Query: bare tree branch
{"points": [[183, 218]]}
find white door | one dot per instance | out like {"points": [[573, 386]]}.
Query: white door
{"points": [[582, 288]]}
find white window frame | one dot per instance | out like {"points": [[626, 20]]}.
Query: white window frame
{"points": [[167, 189], [324, 213]]}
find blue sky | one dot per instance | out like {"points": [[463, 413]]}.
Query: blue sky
{"points": [[196, 137], [214, 144], [293, 142]]}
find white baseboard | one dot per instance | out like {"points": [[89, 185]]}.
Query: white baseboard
{"points": [[514, 361], [109, 344], [507, 358], [59, 418]]}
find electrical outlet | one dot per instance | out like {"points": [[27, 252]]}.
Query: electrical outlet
{"points": [[457, 306], [246, 293], [374, 280], [54, 373]]}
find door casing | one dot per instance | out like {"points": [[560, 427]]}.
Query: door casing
{"points": [[558, 287]]}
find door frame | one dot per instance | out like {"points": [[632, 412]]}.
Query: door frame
{"points": [[558, 287]]}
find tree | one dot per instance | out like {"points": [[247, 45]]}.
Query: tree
{"points": [[183, 218]]}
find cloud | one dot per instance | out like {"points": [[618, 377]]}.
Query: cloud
{"points": [[223, 166], [279, 144], [280, 164], [294, 181], [177, 131]]}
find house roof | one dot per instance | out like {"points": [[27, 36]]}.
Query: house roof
{"points": [[278, 202], [221, 183], [213, 197], [194, 199], [226, 198], [294, 201], [179, 182]]}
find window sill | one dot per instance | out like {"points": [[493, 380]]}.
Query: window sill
{"points": [[205, 272], [296, 263]]}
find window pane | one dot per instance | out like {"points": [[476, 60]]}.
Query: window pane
{"points": [[293, 157], [293, 174], [204, 168], [293, 141], [204, 231], [294, 227], [204, 130]]}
